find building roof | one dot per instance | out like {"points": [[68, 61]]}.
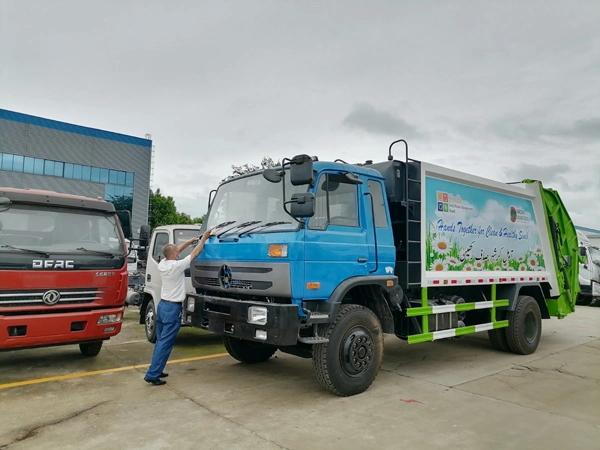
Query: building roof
{"points": [[71, 128], [588, 231]]}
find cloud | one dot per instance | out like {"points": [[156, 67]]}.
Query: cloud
{"points": [[545, 174], [517, 129], [365, 117]]}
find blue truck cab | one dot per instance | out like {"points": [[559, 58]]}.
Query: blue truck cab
{"points": [[320, 259]]}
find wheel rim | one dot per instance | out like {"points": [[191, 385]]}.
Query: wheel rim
{"points": [[150, 322], [531, 328], [356, 351]]}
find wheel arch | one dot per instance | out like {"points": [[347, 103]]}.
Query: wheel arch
{"points": [[511, 292], [371, 292]]}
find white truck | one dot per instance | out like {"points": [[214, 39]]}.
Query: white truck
{"points": [[146, 295], [589, 271]]}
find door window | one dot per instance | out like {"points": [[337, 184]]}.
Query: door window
{"points": [[378, 204], [161, 240], [336, 203]]}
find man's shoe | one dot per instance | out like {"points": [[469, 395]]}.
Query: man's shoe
{"points": [[163, 375], [156, 382]]}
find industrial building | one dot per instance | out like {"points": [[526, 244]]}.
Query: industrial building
{"points": [[47, 154]]}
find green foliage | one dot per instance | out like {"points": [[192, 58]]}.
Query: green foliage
{"points": [[266, 163], [164, 212]]}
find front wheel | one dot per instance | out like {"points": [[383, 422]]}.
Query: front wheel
{"points": [[248, 352], [150, 321], [524, 326], [90, 348], [349, 362], [584, 300]]}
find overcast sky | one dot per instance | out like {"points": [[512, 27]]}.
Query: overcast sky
{"points": [[506, 90]]}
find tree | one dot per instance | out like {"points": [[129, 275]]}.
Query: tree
{"points": [[266, 163], [164, 212]]}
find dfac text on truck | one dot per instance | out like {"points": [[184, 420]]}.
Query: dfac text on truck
{"points": [[63, 268], [319, 259]]}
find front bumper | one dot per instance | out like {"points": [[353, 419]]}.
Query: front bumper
{"points": [[229, 317]]}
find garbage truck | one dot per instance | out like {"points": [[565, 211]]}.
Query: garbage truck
{"points": [[319, 259]]}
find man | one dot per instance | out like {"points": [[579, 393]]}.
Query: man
{"points": [[168, 314]]}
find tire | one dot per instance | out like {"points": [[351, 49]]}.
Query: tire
{"points": [[584, 300], [150, 321], [349, 362], [524, 326], [248, 352], [498, 337], [90, 348]]}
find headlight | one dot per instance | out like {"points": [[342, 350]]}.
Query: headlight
{"points": [[109, 318], [595, 289], [191, 304], [257, 315]]}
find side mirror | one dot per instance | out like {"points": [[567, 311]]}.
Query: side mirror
{"points": [[4, 201], [272, 175], [582, 251], [144, 235], [125, 219], [301, 170], [302, 204]]}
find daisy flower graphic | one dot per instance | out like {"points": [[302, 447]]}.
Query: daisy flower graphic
{"points": [[504, 264], [522, 268], [439, 265], [452, 261], [537, 250], [468, 267], [510, 269], [478, 265], [532, 262], [520, 259], [441, 245], [497, 268]]}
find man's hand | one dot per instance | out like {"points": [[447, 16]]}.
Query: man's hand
{"points": [[198, 248]]}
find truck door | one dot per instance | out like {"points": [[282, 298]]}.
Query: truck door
{"points": [[335, 238], [382, 252], [153, 279]]}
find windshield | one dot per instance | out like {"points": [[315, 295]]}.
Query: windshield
{"points": [[58, 230], [595, 255], [181, 236], [251, 199]]}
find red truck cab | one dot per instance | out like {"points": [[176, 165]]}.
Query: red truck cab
{"points": [[63, 270]]}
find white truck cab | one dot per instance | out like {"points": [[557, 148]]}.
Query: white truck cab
{"points": [[147, 295], [589, 271]]}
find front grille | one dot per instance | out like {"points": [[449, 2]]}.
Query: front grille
{"points": [[35, 297], [235, 283]]}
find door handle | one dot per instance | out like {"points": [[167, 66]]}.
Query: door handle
{"points": [[362, 260], [148, 277]]}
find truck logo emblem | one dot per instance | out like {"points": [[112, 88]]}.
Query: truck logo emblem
{"points": [[51, 297], [225, 276], [53, 264]]}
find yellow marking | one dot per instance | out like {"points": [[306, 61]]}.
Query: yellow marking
{"points": [[100, 372]]}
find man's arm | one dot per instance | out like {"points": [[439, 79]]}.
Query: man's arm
{"points": [[198, 248], [186, 244]]}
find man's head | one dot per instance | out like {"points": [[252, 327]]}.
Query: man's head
{"points": [[171, 251]]}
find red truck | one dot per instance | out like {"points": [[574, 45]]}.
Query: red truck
{"points": [[63, 270]]}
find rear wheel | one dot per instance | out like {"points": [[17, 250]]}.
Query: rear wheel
{"points": [[150, 321], [90, 348], [248, 352], [584, 300], [498, 337], [524, 326], [349, 362]]}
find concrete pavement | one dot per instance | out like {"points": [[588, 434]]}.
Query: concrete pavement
{"points": [[447, 394]]}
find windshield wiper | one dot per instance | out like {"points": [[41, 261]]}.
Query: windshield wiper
{"points": [[28, 250], [224, 224], [268, 224], [241, 225], [98, 252]]}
